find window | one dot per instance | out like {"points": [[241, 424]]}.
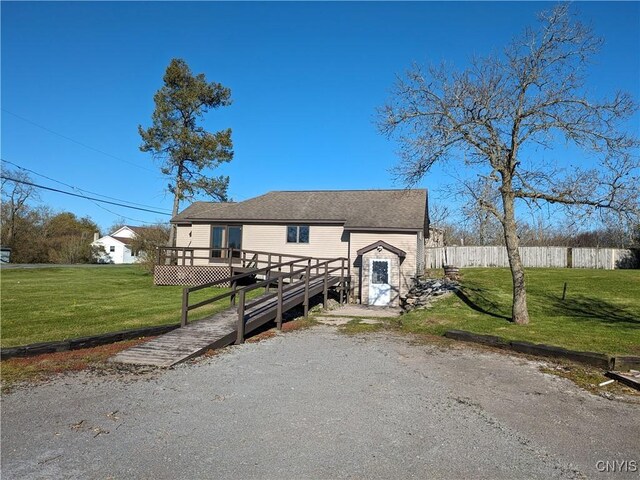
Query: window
{"points": [[298, 234], [234, 239], [379, 272], [217, 241], [112, 248], [223, 237]]}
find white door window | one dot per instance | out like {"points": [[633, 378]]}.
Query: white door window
{"points": [[379, 286]]}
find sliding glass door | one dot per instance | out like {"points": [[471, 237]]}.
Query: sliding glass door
{"points": [[217, 241], [234, 236], [223, 237]]}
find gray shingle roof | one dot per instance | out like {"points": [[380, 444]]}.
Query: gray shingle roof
{"points": [[356, 209]]}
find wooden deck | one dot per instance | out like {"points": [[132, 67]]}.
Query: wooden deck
{"points": [[216, 331]]}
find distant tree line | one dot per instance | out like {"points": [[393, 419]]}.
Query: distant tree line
{"points": [[37, 234], [477, 228]]}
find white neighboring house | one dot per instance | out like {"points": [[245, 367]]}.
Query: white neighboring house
{"points": [[117, 246]]}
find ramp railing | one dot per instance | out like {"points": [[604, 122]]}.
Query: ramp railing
{"points": [[302, 269]]}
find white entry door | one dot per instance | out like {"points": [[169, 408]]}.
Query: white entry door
{"points": [[379, 286]]}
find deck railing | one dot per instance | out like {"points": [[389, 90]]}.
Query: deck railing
{"points": [[303, 269], [190, 256]]}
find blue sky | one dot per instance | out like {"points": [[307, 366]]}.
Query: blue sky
{"points": [[306, 79]]}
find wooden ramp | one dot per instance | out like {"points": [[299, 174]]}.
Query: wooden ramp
{"points": [[216, 331]]}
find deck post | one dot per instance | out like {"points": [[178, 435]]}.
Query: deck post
{"points": [[280, 301], [232, 284], [185, 307], [230, 253], [240, 334], [341, 290], [306, 290], [267, 276], [326, 286], [279, 261]]}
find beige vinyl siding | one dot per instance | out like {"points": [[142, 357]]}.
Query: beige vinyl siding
{"points": [[200, 237], [404, 241], [183, 239], [325, 241]]}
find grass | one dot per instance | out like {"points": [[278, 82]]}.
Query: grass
{"points": [[601, 312], [48, 304], [354, 327]]}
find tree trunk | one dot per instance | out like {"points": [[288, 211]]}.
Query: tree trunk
{"points": [[174, 212], [519, 312], [177, 193]]}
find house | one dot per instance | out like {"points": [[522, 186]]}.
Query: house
{"points": [[381, 232], [117, 245]]}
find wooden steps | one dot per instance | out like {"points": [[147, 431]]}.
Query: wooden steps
{"points": [[213, 332]]}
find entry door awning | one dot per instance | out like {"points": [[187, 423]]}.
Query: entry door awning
{"points": [[385, 245]]}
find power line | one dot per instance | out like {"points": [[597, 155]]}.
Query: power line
{"points": [[87, 146], [78, 189], [81, 196], [120, 215], [76, 141]]}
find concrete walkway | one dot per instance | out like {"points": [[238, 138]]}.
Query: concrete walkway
{"points": [[319, 404]]}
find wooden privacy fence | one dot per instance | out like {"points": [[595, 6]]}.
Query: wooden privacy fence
{"points": [[606, 258], [532, 257]]}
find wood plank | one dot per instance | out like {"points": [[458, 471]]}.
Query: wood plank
{"points": [[213, 332]]}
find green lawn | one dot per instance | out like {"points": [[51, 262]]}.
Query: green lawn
{"points": [[39, 305], [601, 312]]}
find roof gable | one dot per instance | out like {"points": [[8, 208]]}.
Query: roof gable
{"points": [[123, 232], [355, 209], [382, 244], [109, 240]]}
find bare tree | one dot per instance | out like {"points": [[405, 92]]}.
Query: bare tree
{"points": [[15, 196], [146, 243], [491, 115]]}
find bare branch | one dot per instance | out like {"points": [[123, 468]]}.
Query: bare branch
{"points": [[489, 116]]}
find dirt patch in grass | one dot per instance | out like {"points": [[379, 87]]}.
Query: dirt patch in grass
{"points": [[354, 327], [298, 324], [40, 368], [429, 339], [262, 336]]}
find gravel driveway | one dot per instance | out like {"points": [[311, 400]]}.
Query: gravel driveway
{"points": [[320, 404]]}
